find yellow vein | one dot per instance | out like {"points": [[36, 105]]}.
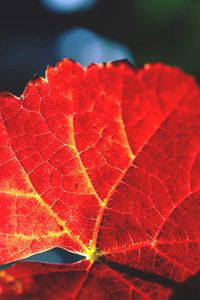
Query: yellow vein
{"points": [[52, 234], [89, 182], [40, 201]]}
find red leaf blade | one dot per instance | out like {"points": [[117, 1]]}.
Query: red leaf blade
{"points": [[104, 161]]}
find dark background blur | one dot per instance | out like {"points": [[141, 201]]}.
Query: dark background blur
{"points": [[34, 34]]}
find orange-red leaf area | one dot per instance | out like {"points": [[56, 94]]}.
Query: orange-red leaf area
{"points": [[105, 162]]}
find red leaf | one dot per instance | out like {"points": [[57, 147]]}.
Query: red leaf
{"points": [[105, 162]]}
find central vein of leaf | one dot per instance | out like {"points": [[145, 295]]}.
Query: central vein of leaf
{"points": [[92, 253]]}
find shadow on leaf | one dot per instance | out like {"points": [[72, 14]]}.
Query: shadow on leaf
{"points": [[188, 290]]}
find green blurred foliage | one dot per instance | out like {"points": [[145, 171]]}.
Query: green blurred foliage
{"points": [[160, 12], [169, 31]]}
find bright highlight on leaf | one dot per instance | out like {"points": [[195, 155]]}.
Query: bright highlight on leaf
{"points": [[102, 161]]}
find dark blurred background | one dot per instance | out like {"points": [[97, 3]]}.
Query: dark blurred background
{"points": [[37, 33]]}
